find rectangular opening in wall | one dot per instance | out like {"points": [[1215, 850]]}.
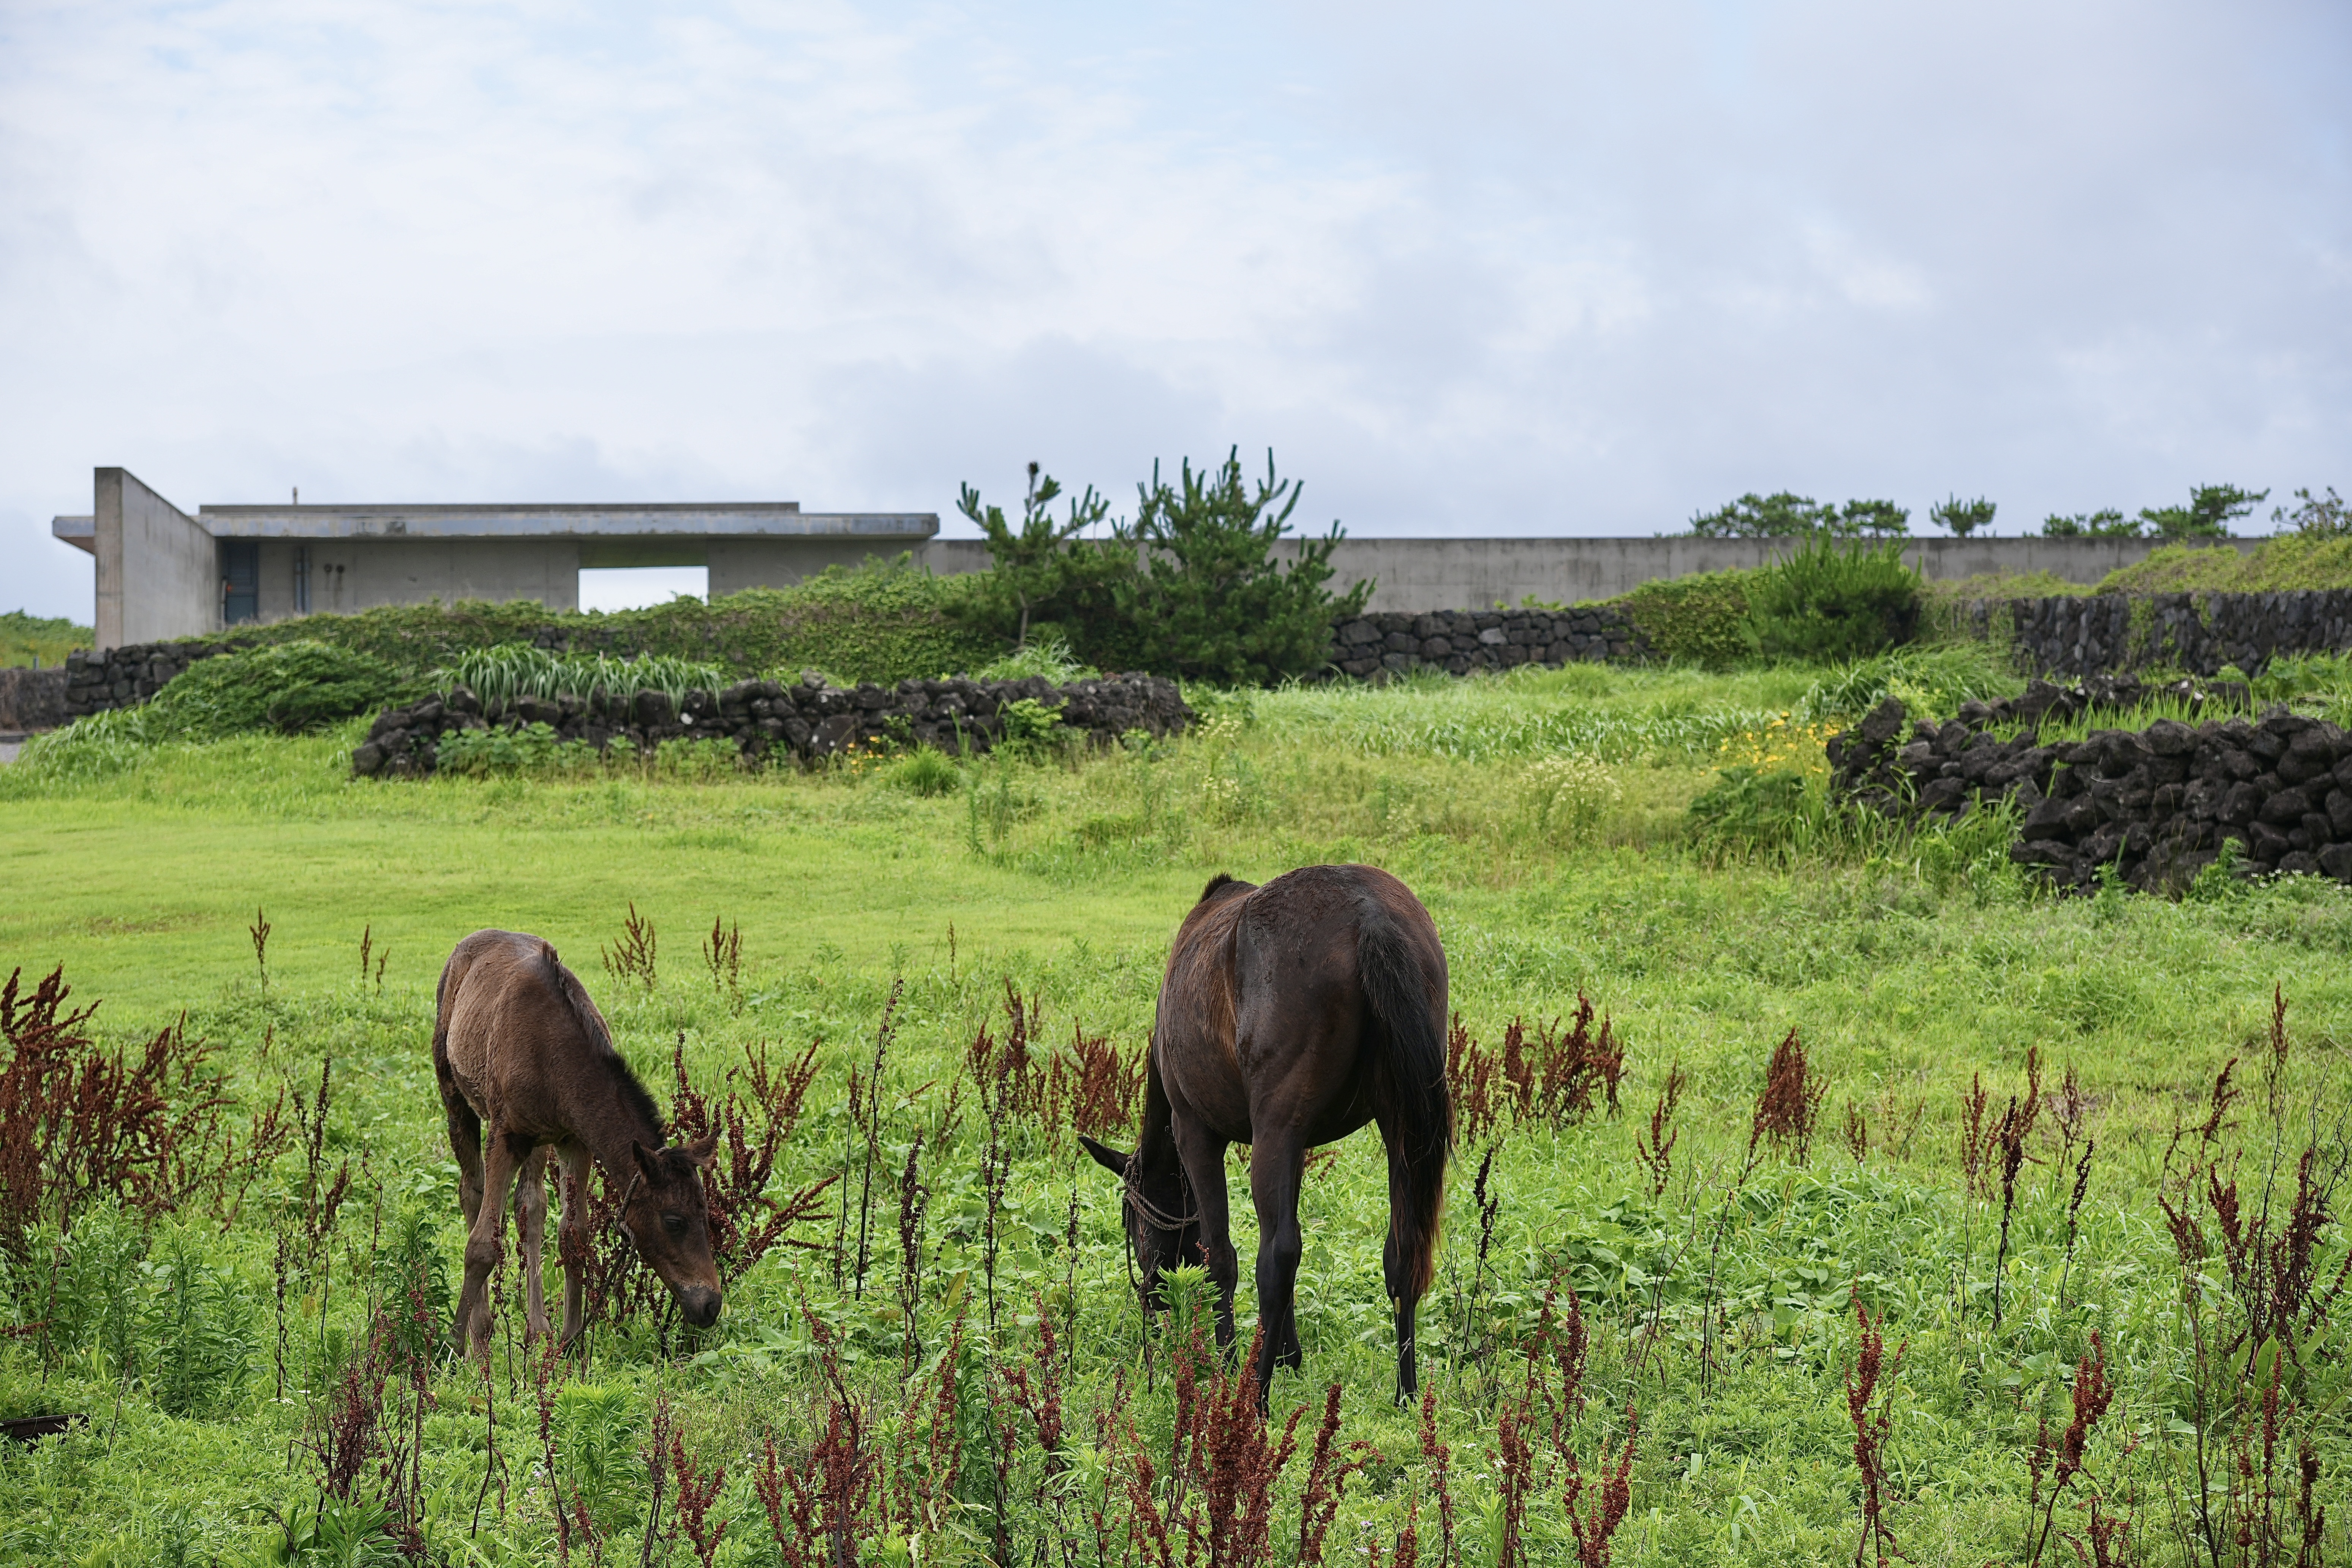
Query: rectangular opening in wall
{"points": [[640, 587], [241, 581]]}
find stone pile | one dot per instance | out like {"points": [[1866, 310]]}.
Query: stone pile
{"points": [[1459, 641], [100, 679], [2158, 803], [807, 720]]}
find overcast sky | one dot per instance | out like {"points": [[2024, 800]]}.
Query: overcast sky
{"points": [[1569, 269]]}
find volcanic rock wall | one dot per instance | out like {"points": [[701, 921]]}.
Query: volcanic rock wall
{"points": [[1459, 641], [807, 720], [98, 679], [2156, 804], [32, 699], [2196, 632]]}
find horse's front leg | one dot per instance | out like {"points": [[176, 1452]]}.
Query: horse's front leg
{"points": [[573, 1239], [1203, 1154], [1278, 1162], [501, 1158], [530, 1236]]}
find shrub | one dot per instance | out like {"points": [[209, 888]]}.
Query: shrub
{"points": [[1698, 619], [1831, 600], [1047, 573], [1211, 603], [290, 688]]}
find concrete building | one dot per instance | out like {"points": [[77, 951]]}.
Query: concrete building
{"points": [[163, 573]]}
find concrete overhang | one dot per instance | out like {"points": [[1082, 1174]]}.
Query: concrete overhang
{"points": [[647, 521], [81, 532]]}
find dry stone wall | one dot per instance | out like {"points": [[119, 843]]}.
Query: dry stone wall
{"points": [[1459, 641], [806, 719], [2198, 633], [32, 699], [2157, 803], [99, 680]]}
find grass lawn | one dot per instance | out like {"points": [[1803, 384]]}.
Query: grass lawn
{"points": [[1544, 821]]}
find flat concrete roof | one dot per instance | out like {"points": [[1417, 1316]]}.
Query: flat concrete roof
{"points": [[642, 519], [81, 532]]}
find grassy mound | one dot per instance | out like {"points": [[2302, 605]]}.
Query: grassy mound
{"points": [[2289, 561]]}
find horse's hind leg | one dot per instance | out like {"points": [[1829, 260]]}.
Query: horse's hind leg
{"points": [[486, 1241], [1276, 1165], [1397, 1268], [465, 1142], [530, 1233]]}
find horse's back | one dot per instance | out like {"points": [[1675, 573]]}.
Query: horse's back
{"points": [[506, 1012], [1267, 987]]}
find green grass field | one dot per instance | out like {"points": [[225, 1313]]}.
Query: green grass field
{"points": [[1542, 819]]}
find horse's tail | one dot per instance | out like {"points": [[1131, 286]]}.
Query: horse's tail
{"points": [[1411, 1096]]}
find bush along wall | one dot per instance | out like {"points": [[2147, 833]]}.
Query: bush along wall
{"points": [[2200, 633], [1459, 641], [2157, 803], [807, 720]]}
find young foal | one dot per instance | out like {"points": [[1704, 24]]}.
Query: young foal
{"points": [[518, 1044], [1292, 1014]]}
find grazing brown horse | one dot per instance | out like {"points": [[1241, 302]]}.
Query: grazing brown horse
{"points": [[518, 1044], [1292, 1014]]}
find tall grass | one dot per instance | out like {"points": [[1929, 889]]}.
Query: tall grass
{"points": [[514, 670]]}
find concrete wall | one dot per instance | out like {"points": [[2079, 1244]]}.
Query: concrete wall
{"points": [[1420, 574], [158, 571], [349, 574], [738, 563]]}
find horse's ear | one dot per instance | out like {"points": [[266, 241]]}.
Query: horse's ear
{"points": [[645, 1158], [1108, 1158], [702, 1149]]}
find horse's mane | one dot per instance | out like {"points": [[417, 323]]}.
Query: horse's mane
{"points": [[1221, 881], [592, 1026]]}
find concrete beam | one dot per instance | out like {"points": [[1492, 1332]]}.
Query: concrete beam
{"points": [[664, 521]]}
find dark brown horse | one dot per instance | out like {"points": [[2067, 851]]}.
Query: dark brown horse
{"points": [[518, 1044], [1292, 1014]]}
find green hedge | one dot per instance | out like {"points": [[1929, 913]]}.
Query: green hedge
{"points": [[884, 621], [1699, 619]]}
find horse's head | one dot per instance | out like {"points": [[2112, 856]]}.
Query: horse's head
{"points": [[668, 1219], [1163, 1224]]}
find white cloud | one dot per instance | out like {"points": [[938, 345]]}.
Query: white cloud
{"points": [[1496, 268]]}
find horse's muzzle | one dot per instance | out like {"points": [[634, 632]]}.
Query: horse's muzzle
{"points": [[699, 1304]]}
